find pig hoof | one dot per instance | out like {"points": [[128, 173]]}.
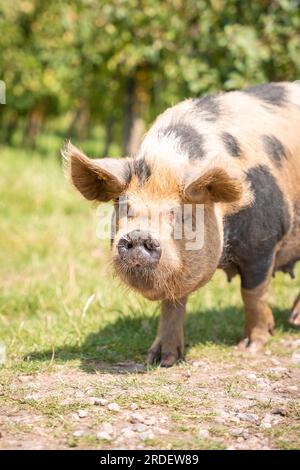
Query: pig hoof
{"points": [[294, 319], [153, 356], [253, 346], [168, 359], [164, 359]]}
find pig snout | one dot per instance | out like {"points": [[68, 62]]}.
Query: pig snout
{"points": [[139, 248]]}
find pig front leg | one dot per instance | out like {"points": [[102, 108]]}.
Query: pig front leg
{"points": [[259, 321], [168, 346], [295, 315]]}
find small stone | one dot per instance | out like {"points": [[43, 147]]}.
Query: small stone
{"points": [[134, 406], [268, 352], [98, 401], [140, 427], [296, 357], [136, 418], [275, 362], [90, 392], [114, 407], [278, 371], [236, 432], [251, 376], [32, 385], [263, 384], [104, 436], [251, 417], [78, 433], [82, 414], [144, 436], [278, 411], [196, 363], [265, 425], [107, 427], [106, 432], [203, 433], [162, 431], [163, 419], [128, 433], [30, 397]]}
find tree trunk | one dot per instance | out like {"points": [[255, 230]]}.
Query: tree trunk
{"points": [[34, 123], [109, 127], [79, 122], [136, 103]]}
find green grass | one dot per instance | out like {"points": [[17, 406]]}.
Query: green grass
{"points": [[51, 263]]}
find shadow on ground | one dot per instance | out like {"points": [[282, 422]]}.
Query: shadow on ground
{"points": [[120, 347]]}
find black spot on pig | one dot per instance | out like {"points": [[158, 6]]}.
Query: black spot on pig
{"points": [[270, 93], [250, 236], [274, 148], [231, 144], [190, 141], [209, 107], [142, 170]]}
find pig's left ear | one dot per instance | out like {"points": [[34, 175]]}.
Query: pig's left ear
{"points": [[102, 179], [214, 185]]}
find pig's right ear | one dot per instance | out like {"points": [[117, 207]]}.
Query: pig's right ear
{"points": [[97, 180]]}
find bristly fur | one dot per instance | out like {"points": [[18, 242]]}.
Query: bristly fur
{"points": [[162, 183]]}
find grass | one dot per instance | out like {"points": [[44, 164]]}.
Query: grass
{"points": [[52, 265]]}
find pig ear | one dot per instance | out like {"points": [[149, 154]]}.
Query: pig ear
{"points": [[102, 180], [215, 185]]}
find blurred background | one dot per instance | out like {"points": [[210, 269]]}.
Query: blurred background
{"points": [[99, 71]]}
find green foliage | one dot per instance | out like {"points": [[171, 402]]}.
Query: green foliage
{"points": [[76, 56]]}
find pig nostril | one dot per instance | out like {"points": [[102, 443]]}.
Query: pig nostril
{"points": [[148, 246]]}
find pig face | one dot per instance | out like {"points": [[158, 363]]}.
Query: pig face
{"points": [[167, 227]]}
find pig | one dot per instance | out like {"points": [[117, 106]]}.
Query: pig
{"points": [[236, 155]]}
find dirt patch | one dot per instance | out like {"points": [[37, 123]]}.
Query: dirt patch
{"points": [[241, 402]]}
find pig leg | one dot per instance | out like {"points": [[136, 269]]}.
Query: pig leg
{"points": [[169, 343], [259, 321], [295, 315]]}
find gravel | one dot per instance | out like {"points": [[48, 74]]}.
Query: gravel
{"points": [[140, 427], [114, 407], [203, 433], [98, 401], [78, 433], [82, 414], [296, 357], [106, 432], [134, 407], [136, 418], [144, 436], [251, 417]]}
